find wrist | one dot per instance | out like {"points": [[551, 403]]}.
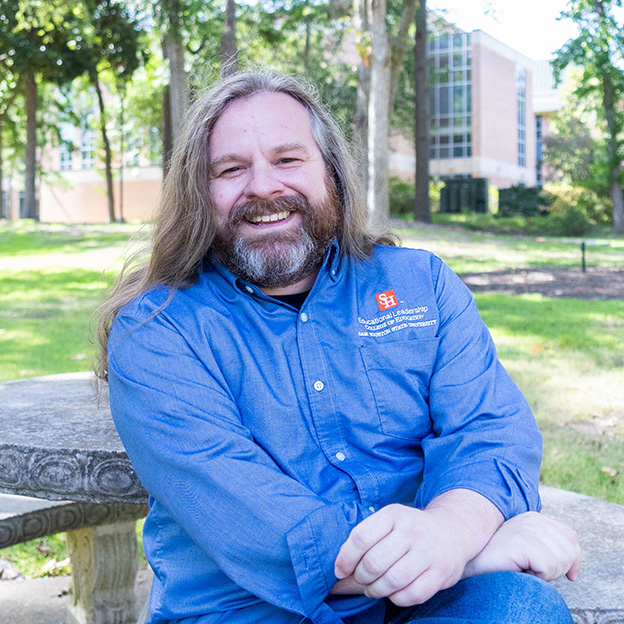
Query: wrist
{"points": [[471, 519]]}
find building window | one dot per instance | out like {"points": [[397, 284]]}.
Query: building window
{"points": [[87, 144], [450, 97], [521, 87], [539, 149], [66, 146]]}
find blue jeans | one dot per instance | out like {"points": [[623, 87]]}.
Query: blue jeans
{"points": [[501, 598]]}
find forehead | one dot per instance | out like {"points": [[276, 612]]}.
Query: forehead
{"points": [[265, 120]]}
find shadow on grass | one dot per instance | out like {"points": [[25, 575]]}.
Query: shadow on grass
{"points": [[592, 328], [16, 240], [45, 321]]}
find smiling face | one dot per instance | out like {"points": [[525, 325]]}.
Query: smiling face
{"points": [[276, 212]]}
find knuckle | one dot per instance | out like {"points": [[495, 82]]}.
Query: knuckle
{"points": [[359, 539], [394, 580], [371, 565]]}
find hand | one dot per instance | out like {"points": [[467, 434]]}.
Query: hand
{"points": [[408, 554], [530, 543]]}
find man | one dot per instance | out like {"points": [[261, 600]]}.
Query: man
{"points": [[321, 421]]}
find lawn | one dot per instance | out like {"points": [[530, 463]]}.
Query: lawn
{"points": [[567, 355]]}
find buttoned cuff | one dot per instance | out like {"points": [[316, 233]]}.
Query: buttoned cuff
{"points": [[314, 545], [495, 479]]}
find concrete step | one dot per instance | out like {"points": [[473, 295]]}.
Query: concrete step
{"points": [[597, 597]]}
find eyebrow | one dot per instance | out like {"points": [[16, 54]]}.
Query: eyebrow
{"points": [[280, 149]]}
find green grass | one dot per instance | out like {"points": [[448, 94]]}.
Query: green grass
{"points": [[567, 355]]}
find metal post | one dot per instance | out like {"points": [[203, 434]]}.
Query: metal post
{"points": [[583, 265]]}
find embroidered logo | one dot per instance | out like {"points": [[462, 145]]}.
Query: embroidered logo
{"points": [[386, 300]]}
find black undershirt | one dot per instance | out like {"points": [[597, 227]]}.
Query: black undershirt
{"points": [[296, 300]]}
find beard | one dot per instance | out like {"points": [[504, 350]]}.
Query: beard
{"points": [[280, 259]]}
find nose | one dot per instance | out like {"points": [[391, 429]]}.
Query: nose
{"points": [[263, 182]]}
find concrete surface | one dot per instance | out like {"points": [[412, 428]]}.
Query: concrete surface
{"points": [[44, 601], [597, 597]]}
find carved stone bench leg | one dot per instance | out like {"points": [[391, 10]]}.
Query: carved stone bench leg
{"points": [[104, 566]]}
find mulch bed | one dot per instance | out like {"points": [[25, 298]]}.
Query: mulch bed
{"points": [[596, 283]]}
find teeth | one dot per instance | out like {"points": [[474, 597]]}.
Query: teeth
{"points": [[280, 216]]}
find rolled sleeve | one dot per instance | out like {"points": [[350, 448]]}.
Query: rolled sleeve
{"points": [[267, 532], [485, 437]]}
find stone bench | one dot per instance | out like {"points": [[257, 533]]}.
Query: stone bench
{"points": [[102, 545], [23, 518], [597, 597]]}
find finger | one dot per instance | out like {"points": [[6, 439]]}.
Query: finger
{"points": [[402, 574], [361, 539], [429, 583], [380, 558], [575, 568]]}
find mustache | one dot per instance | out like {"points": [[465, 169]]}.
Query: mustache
{"points": [[258, 207]]}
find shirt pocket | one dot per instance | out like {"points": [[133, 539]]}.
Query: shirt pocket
{"points": [[399, 375]]}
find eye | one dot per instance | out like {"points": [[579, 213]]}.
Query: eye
{"points": [[230, 171], [288, 160]]}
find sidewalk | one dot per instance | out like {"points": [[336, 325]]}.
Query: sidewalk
{"points": [[43, 601]]}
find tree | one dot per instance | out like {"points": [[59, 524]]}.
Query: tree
{"points": [[39, 39], [574, 148], [111, 43], [384, 59], [422, 204], [599, 51], [229, 51], [10, 88]]}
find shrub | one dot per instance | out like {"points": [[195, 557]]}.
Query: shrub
{"points": [[577, 210], [401, 197]]}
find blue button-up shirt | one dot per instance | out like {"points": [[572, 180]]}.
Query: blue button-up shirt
{"points": [[264, 433]]}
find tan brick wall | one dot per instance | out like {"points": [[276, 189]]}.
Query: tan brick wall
{"points": [[84, 200]]}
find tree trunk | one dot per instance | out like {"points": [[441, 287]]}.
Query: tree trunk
{"points": [[399, 46], [360, 120], [167, 131], [2, 209], [378, 118], [108, 158], [422, 204], [6, 211], [613, 150], [173, 51], [229, 51], [31, 210]]}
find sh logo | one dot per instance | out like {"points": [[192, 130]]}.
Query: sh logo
{"points": [[386, 300]]}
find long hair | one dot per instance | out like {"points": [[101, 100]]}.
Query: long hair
{"points": [[185, 225]]}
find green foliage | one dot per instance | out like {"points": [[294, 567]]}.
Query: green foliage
{"points": [[599, 51], [577, 211], [37, 558], [401, 197], [40, 38], [574, 148]]}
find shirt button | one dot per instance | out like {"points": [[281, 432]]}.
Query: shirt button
{"points": [[333, 272], [340, 456], [249, 289], [371, 508], [304, 317], [318, 385]]}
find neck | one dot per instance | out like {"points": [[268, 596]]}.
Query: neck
{"points": [[305, 284]]}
